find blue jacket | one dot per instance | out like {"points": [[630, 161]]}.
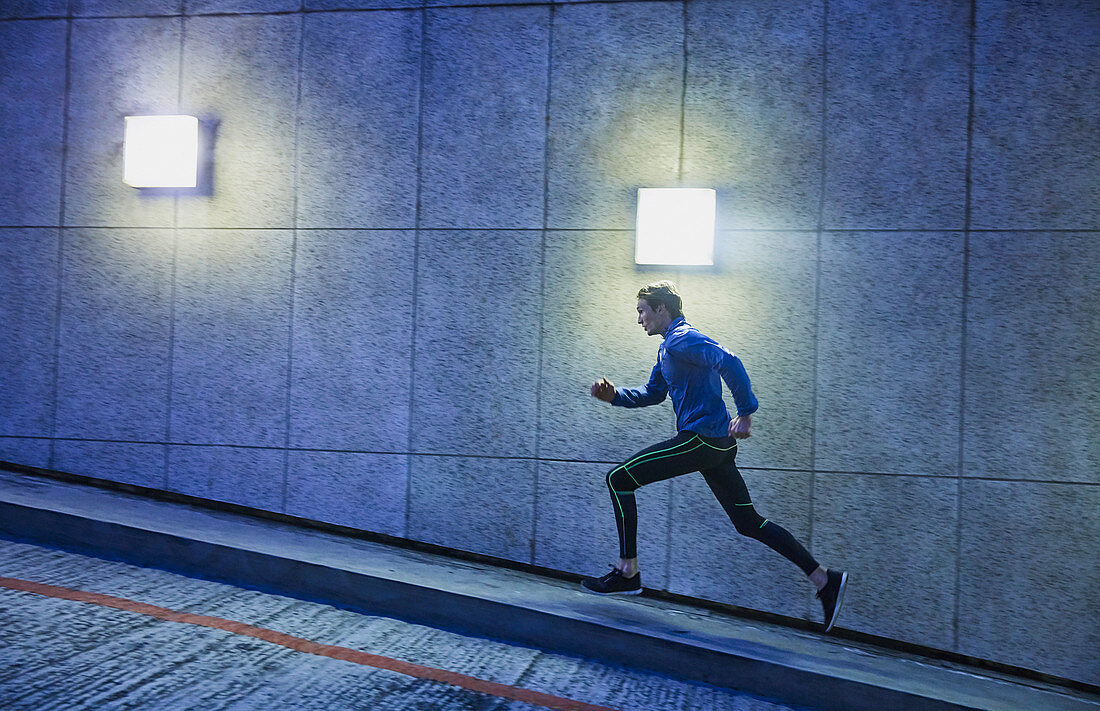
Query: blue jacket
{"points": [[691, 368]]}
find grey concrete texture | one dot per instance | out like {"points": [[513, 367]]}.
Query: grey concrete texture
{"points": [[614, 110], [896, 137], [708, 559], [476, 363], [230, 338], [480, 505], [119, 68], [240, 73], [116, 8], [1036, 145], [363, 491], [126, 462], [29, 451], [760, 304], [64, 654], [113, 359], [1033, 322], [32, 101], [361, 4], [575, 523], [590, 331], [1041, 564], [353, 299], [753, 113], [889, 352], [484, 121], [34, 8], [897, 536], [249, 476], [29, 272], [360, 78], [199, 7]]}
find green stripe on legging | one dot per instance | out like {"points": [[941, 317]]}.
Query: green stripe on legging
{"points": [[717, 448], [640, 457], [626, 467]]}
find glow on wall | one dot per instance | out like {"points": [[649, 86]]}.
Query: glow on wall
{"points": [[675, 226], [161, 151]]}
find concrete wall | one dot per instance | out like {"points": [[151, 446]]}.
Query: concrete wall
{"points": [[417, 254]]}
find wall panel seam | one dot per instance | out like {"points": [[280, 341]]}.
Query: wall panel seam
{"points": [[521, 458], [166, 474], [61, 235], [674, 485], [415, 264], [293, 265], [971, 42], [726, 230], [542, 276], [171, 356], [817, 272]]}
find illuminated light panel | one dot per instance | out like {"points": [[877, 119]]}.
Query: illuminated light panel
{"points": [[161, 152], [675, 226]]}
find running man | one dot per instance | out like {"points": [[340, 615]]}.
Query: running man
{"points": [[691, 367]]}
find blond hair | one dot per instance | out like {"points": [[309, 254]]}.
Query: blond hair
{"points": [[662, 293]]}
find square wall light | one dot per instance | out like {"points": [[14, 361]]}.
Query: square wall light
{"points": [[161, 151], [675, 226]]}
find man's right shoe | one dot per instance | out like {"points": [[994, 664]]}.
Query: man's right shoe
{"points": [[832, 595], [614, 584]]}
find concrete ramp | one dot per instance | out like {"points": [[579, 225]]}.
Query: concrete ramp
{"points": [[791, 666]]}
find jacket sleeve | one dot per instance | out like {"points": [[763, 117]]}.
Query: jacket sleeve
{"points": [[706, 353], [651, 393]]}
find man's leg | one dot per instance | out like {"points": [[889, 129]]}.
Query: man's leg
{"points": [[729, 488], [684, 453]]}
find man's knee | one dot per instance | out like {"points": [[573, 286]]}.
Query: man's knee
{"points": [[748, 522], [620, 481]]}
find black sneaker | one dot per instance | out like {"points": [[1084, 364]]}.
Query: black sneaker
{"points": [[831, 596], [614, 584]]}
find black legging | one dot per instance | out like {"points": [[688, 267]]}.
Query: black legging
{"points": [[713, 456]]}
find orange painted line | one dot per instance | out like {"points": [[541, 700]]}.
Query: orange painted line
{"points": [[299, 644]]}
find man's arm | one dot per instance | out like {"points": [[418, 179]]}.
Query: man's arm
{"points": [[704, 352], [733, 373], [736, 378], [653, 392]]}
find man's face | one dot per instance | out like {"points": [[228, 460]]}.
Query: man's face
{"points": [[655, 322]]}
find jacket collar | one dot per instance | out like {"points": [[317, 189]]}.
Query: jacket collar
{"points": [[676, 322]]}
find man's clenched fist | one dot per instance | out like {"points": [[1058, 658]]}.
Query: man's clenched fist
{"points": [[603, 389]]}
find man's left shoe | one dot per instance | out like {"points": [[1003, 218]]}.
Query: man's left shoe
{"points": [[614, 583], [832, 595]]}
